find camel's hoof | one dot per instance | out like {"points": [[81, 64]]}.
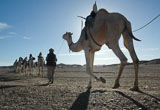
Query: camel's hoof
{"points": [[102, 80], [134, 89], [116, 85]]}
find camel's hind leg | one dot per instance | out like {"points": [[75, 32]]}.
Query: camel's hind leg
{"points": [[128, 42]]}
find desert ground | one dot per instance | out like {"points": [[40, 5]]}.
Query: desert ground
{"points": [[69, 92]]}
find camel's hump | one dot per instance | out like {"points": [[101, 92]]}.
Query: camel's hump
{"points": [[102, 10]]}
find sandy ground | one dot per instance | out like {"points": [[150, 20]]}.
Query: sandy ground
{"points": [[68, 92]]}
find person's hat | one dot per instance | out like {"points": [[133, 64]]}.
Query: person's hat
{"points": [[51, 50], [30, 55]]}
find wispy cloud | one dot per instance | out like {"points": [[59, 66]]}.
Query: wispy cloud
{"points": [[101, 52], [106, 59], [4, 37], [12, 33], [148, 55], [72, 54], [27, 38], [151, 49], [5, 63], [4, 26]]}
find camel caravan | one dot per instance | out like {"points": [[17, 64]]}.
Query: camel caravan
{"points": [[28, 66], [102, 27]]}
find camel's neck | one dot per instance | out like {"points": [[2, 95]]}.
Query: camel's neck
{"points": [[70, 42], [75, 47]]}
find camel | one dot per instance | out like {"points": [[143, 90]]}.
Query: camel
{"points": [[19, 65], [25, 66], [106, 29], [40, 64], [31, 64], [15, 64]]}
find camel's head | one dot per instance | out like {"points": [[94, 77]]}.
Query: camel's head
{"points": [[67, 35]]}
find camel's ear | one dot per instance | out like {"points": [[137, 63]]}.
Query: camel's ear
{"points": [[70, 33], [95, 7]]}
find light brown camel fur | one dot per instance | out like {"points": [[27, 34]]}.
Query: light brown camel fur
{"points": [[25, 66], [31, 65], [107, 29], [19, 65], [41, 64]]}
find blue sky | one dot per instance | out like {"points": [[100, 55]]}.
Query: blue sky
{"points": [[33, 26]]}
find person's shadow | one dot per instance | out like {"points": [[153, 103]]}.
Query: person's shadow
{"points": [[81, 103]]}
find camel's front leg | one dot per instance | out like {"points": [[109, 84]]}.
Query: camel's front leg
{"points": [[39, 70], [42, 71], [89, 66]]}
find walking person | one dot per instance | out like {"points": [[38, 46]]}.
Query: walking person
{"points": [[51, 65]]}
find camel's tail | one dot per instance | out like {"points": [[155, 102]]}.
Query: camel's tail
{"points": [[129, 30]]}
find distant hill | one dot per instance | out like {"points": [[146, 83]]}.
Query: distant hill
{"points": [[67, 65], [154, 61], [146, 62], [6, 66]]}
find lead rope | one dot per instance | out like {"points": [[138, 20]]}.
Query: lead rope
{"points": [[81, 25], [147, 23], [60, 47]]}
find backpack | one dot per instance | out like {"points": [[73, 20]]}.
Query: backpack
{"points": [[51, 59]]}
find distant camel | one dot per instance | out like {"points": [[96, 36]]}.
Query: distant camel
{"points": [[15, 64], [40, 64], [31, 64], [19, 65], [25, 66], [106, 29]]}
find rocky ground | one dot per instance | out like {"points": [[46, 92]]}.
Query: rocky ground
{"points": [[68, 92]]}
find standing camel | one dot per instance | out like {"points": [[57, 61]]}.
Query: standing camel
{"points": [[106, 29], [15, 65], [41, 64], [25, 66], [19, 65], [31, 64]]}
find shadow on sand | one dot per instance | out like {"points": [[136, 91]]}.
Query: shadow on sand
{"points": [[81, 103], [99, 91], [7, 79], [149, 95], [46, 84], [131, 99], [9, 86]]}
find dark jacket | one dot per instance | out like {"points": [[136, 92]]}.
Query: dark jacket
{"points": [[51, 59]]}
